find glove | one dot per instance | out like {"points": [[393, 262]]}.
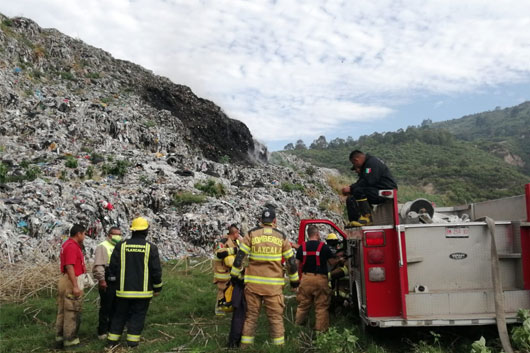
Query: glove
{"points": [[222, 254], [235, 280], [295, 284]]}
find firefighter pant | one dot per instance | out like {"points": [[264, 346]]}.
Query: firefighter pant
{"points": [[107, 299], [274, 306], [132, 312], [358, 193], [68, 313], [221, 286], [314, 289]]}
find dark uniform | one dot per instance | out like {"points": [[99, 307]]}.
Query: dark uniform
{"points": [[374, 176], [135, 266], [314, 288]]}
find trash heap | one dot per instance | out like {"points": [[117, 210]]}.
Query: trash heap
{"points": [[91, 139]]}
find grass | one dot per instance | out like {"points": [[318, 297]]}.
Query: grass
{"points": [[182, 319]]}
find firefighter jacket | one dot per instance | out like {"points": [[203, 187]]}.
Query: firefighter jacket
{"points": [[135, 267], [225, 247], [265, 247], [375, 173]]}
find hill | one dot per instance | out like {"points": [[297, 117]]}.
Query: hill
{"points": [[428, 162], [502, 132]]}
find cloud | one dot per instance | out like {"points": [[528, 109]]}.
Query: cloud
{"points": [[292, 69]]}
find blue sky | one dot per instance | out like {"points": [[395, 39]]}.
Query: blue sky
{"points": [[299, 69]]}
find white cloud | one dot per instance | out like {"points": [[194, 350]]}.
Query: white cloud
{"points": [[293, 69]]}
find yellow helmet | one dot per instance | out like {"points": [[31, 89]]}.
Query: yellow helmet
{"points": [[229, 260], [139, 223], [332, 236]]}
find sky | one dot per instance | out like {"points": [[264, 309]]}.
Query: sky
{"points": [[300, 69]]}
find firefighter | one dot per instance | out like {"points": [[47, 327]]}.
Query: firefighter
{"points": [[264, 277], [135, 269], [337, 275], [313, 256], [69, 290], [100, 270], [224, 253], [374, 175]]}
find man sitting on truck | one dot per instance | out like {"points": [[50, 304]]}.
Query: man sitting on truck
{"points": [[374, 175]]}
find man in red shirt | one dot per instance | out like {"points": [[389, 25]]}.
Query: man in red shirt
{"points": [[70, 292]]}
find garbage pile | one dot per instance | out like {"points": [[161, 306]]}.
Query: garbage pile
{"points": [[91, 139]]}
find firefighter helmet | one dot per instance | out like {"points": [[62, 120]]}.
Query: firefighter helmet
{"points": [[229, 260], [139, 223], [332, 236]]}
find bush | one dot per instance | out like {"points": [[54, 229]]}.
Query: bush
{"points": [[224, 159], [211, 188], [187, 198], [310, 170], [290, 187], [119, 168], [521, 334], [96, 158], [90, 172], [67, 76], [71, 162]]}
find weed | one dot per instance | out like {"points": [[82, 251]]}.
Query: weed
{"points": [[3, 173], [521, 334], [334, 342], [224, 159], [211, 188], [119, 168], [480, 346], [290, 187], [86, 149], [187, 198], [96, 158], [107, 100], [310, 170], [71, 162], [7, 22], [90, 172], [150, 123], [144, 180], [93, 75], [67, 76], [32, 173]]}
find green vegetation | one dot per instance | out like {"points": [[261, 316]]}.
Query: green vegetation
{"points": [[211, 188], [521, 334], [96, 158], [150, 123], [290, 187], [182, 319], [90, 172], [118, 168], [224, 159], [93, 75], [67, 76], [480, 346], [187, 198], [71, 162], [428, 162], [31, 172]]}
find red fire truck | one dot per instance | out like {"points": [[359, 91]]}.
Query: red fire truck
{"points": [[436, 270]]}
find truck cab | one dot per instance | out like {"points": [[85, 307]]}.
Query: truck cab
{"points": [[435, 268]]}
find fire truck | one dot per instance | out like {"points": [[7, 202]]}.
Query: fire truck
{"points": [[419, 265]]}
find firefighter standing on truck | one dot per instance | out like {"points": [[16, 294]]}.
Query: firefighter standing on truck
{"points": [[313, 255], [107, 290], [135, 267], [224, 255], [264, 276]]}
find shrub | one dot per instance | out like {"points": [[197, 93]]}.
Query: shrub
{"points": [[480, 346], [93, 75], [224, 159], [186, 198], [119, 168], [32, 173], [521, 334], [150, 123], [71, 162], [3, 173], [211, 188], [290, 187], [310, 170], [96, 158], [67, 76], [90, 172]]}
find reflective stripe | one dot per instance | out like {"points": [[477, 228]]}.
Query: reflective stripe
{"points": [[244, 248], [146, 266], [122, 269], [235, 271], [136, 246], [221, 275], [158, 285], [278, 341], [273, 281], [113, 337], [247, 339], [71, 343], [294, 277], [133, 338], [345, 270], [133, 294], [287, 254], [109, 247], [266, 257]]}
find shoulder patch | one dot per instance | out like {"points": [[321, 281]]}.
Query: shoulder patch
{"points": [[254, 229]]}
